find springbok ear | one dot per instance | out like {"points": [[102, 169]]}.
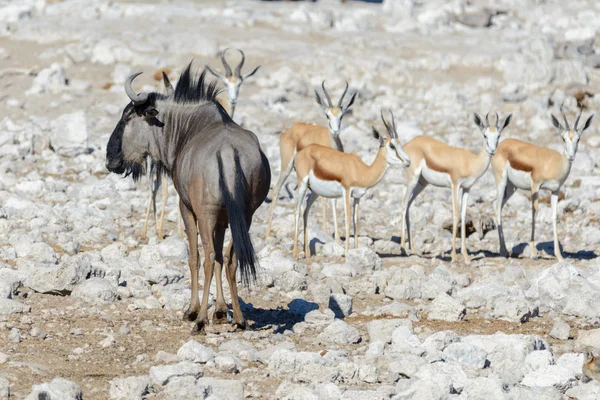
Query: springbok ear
{"points": [[556, 124], [378, 136], [506, 122], [350, 102], [249, 74], [215, 73], [587, 123], [319, 101], [478, 121]]}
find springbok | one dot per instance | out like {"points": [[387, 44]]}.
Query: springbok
{"points": [[233, 81], [331, 173], [438, 164], [218, 170], [591, 365], [301, 135], [521, 165]]}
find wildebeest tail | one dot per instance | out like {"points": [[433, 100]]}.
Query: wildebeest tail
{"points": [[237, 204]]}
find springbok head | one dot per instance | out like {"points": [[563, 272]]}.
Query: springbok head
{"points": [[491, 133], [335, 113], [132, 138], [232, 80], [394, 152], [570, 135]]}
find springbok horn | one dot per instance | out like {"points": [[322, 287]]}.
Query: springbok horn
{"points": [[343, 95], [578, 116], [225, 65], [326, 95], [238, 69], [487, 122], [394, 125], [562, 111], [497, 121], [136, 98], [387, 127]]}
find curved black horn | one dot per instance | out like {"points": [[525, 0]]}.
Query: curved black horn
{"points": [[343, 95], [136, 98], [487, 121], [578, 116], [228, 72], [394, 125], [238, 69], [562, 111], [326, 95], [388, 128]]}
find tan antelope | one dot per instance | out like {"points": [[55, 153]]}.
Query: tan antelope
{"points": [[301, 135], [591, 365], [232, 80], [521, 165], [218, 170], [330, 173], [435, 163]]}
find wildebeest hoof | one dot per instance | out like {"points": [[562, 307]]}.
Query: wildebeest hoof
{"points": [[190, 315], [199, 328]]}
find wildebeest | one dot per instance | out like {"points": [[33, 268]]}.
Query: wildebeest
{"points": [[218, 170]]}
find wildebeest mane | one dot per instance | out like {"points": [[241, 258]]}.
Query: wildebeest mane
{"points": [[193, 89]]}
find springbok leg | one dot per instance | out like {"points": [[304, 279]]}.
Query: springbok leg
{"points": [[311, 199]]}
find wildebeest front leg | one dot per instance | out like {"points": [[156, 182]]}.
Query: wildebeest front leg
{"points": [[190, 226], [207, 227], [220, 314], [230, 269]]}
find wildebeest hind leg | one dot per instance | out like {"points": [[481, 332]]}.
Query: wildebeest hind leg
{"points": [[190, 226], [220, 314], [207, 227], [230, 270]]}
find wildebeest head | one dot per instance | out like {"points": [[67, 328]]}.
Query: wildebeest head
{"points": [[132, 138]]}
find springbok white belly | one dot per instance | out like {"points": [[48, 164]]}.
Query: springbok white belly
{"points": [[357, 192], [325, 188], [519, 179], [435, 178]]}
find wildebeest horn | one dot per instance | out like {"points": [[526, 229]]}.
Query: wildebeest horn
{"points": [[562, 111], [343, 95], [487, 121], [578, 116], [136, 98], [238, 69], [326, 95], [225, 65]]}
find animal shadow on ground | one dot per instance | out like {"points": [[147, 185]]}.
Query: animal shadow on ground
{"points": [[548, 248], [280, 318]]}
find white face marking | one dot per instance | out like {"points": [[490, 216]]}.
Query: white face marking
{"points": [[334, 116], [233, 88], [492, 137], [396, 154], [571, 140], [325, 188]]}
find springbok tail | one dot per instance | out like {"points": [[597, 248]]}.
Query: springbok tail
{"points": [[236, 204]]}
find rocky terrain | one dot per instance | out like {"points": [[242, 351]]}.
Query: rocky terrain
{"points": [[90, 310]]}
